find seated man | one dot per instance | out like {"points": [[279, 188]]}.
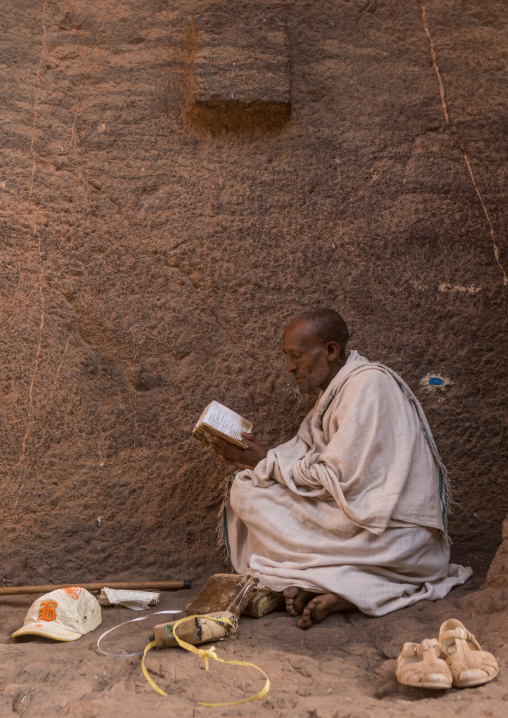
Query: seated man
{"points": [[352, 510]]}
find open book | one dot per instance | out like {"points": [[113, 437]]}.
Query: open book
{"points": [[220, 421]]}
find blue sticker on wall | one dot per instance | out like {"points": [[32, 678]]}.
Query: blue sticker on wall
{"points": [[435, 381]]}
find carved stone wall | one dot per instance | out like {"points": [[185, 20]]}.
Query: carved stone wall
{"points": [[150, 253], [497, 576]]}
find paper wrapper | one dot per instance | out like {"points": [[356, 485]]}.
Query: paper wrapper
{"points": [[137, 600], [223, 592], [237, 594], [264, 601], [195, 630]]}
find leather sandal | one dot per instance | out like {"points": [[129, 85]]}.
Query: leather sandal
{"points": [[469, 665], [421, 665]]}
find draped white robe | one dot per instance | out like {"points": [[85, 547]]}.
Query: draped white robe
{"points": [[351, 504]]}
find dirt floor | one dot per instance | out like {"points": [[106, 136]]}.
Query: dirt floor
{"points": [[342, 668]]}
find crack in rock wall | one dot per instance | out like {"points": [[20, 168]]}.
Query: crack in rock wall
{"points": [[148, 262]]}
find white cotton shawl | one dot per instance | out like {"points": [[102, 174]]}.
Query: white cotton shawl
{"points": [[362, 446]]}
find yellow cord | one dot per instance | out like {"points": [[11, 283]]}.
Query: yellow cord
{"points": [[143, 668], [205, 654]]}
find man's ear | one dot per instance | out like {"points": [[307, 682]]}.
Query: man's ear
{"points": [[333, 350]]}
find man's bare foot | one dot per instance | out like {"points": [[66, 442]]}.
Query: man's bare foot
{"points": [[320, 606], [296, 599]]}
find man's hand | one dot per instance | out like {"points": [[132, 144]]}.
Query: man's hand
{"points": [[241, 458]]}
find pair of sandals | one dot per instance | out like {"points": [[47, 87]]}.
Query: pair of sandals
{"points": [[454, 659]]}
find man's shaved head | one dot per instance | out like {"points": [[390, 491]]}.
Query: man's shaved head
{"points": [[327, 325], [314, 343]]}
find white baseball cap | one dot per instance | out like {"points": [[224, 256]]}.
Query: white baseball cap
{"points": [[65, 615]]}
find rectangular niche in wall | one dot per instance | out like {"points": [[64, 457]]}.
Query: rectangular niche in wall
{"points": [[239, 67]]}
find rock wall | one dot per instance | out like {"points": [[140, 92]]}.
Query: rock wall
{"points": [[152, 249], [497, 576], [493, 598]]}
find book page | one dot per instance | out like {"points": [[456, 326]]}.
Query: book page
{"points": [[222, 419]]}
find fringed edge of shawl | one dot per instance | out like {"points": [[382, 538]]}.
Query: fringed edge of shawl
{"points": [[222, 533]]}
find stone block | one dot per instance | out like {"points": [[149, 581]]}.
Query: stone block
{"points": [[240, 75], [497, 576]]}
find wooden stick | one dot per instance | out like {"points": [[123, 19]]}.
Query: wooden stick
{"points": [[129, 586]]}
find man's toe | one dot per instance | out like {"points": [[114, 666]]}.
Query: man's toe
{"points": [[290, 608], [304, 622], [290, 594], [306, 619]]}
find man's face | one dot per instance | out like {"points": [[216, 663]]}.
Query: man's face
{"points": [[308, 359]]}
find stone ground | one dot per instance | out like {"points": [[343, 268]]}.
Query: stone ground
{"points": [[342, 668]]}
